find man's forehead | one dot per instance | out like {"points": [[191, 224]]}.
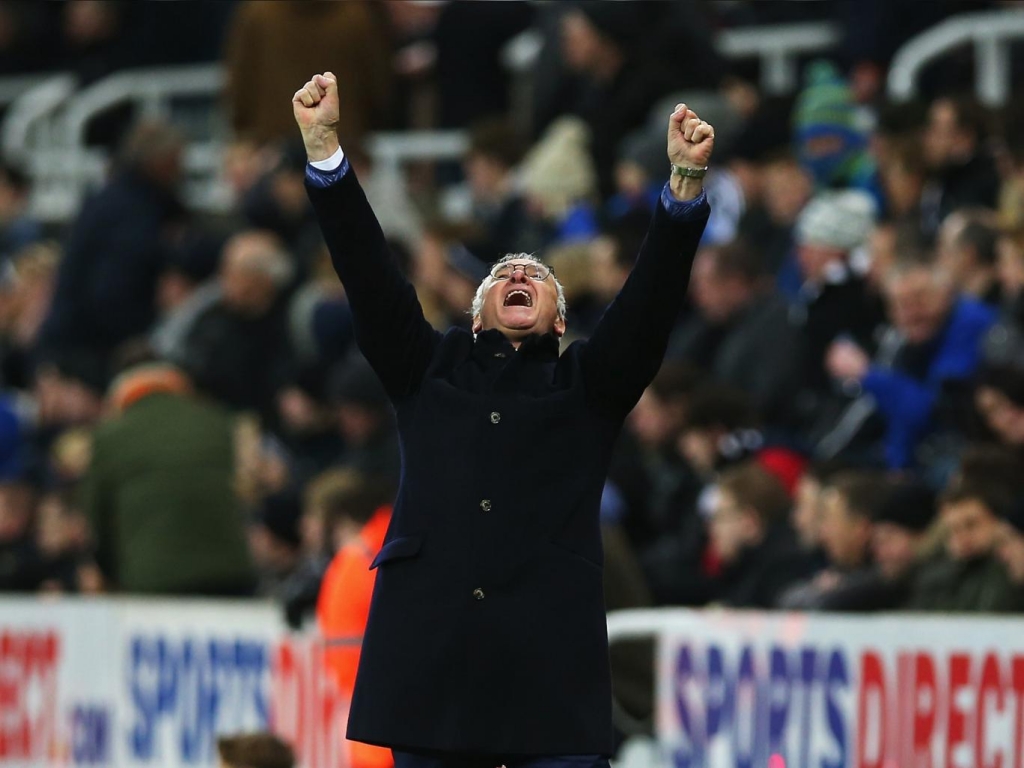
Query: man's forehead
{"points": [[517, 260]]}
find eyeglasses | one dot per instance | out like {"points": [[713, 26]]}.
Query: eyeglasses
{"points": [[532, 269]]}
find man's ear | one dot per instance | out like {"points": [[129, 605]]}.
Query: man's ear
{"points": [[478, 324], [559, 328]]}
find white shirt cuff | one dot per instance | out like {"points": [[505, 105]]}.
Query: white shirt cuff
{"points": [[332, 163]]}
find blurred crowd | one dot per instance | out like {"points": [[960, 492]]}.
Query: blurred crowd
{"points": [[839, 421]]}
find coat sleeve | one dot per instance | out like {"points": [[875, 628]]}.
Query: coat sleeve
{"points": [[387, 317], [627, 347]]}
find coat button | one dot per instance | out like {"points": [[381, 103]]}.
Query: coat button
{"points": [[479, 594], [485, 505], [495, 417]]}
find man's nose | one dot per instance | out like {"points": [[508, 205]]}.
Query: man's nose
{"points": [[518, 275]]}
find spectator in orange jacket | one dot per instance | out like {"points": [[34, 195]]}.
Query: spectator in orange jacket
{"points": [[350, 503]]}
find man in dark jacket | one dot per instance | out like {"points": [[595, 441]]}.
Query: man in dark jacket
{"points": [[486, 641], [748, 527], [116, 250], [740, 331], [970, 577]]}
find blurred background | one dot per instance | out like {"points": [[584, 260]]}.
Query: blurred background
{"points": [[838, 425]]}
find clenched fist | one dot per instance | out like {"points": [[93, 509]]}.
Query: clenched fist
{"points": [[690, 141], [317, 111]]}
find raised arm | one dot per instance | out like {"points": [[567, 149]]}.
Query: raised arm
{"points": [[387, 318], [627, 347]]}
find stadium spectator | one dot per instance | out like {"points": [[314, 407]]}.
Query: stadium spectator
{"points": [[830, 142], [720, 428], [771, 224], [559, 183], [365, 419], [254, 750], [498, 209], [279, 44], [648, 471], [446, 274], [739, 331], [62, 538], [610, 258], [903, 176], [305, 423], [805, 517], [357, 518], [236, 347], [26, 291], [926, 358], [20, 560], [967, 251], [116, 249], [275, 540], [619, 83], [969, 576], [961, 171], [848, 503], [17, 228], [470, 39], [759, 554], [900, 535], [999, 396], [833, 299], [277, 203], [161, 484]]}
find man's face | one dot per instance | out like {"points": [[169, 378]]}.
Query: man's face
{"points": [[1010, 266], [1011, 551], [581, 43], [951, 255], [943, 138], [844, 535], [520, 306], [485, 176], [971, 529], [1003, 416], [806, 516], [717, 296], [814, 260], [731, 528], [894, 548], [918, 304]]}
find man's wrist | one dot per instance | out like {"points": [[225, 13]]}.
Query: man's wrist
{"points": [[685, 188], [320, 144]]}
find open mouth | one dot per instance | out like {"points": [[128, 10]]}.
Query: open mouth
{"points": [[518, 298]]}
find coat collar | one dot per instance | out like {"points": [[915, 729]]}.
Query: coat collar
{"points": [[493, 343]]}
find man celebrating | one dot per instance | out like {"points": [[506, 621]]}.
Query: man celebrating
{"points": [[486, 641]]}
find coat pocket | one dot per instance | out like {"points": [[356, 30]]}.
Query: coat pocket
{"points": [[396, 549]]}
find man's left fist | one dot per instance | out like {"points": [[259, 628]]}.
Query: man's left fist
{"points": [[690, 139]]}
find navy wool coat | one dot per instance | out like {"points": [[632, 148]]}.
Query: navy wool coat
{"points": [[487, 631]]}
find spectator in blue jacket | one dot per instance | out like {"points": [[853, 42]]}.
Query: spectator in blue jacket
{"points": [[925, 359]]}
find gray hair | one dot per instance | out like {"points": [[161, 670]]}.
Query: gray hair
{"points": [[485, 286]]}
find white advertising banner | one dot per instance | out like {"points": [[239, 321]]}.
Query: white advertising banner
{"points": [[153, 683], [750, 690]]}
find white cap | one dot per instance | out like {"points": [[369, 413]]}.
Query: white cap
{"points": [[841, 219]]}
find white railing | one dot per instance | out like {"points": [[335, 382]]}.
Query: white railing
{"points": [[14, 86], [988, 32], [30, 111], [779, 47]]}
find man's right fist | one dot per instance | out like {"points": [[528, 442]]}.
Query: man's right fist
{"points": [[317, 111]]}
